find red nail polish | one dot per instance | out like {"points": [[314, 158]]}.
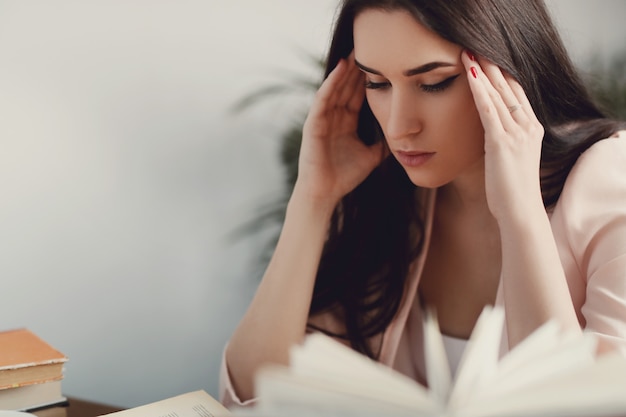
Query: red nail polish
{"points": [[470, 55], [474, 72]]}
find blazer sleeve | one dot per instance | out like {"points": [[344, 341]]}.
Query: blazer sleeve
{"points": [[228, 396], [593, 205]]}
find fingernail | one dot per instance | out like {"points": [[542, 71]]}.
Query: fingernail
{"points": [[474, 72], [470, 55]]}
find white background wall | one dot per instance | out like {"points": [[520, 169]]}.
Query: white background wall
{"points": [[123, 172]]}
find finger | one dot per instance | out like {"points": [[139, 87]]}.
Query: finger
{"points": [[357, 91], [521, 96], [523, 112], [499, 81], [487, 111], [505, 101], [351, 84], [531, 121], [327, 93]]}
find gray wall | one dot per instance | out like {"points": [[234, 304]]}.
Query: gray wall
{"points": [[123, 172]]}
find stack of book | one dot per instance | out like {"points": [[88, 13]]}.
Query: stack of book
{"points": [[31, 372]]}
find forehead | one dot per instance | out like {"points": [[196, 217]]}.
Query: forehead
{"points": [[384, 35]]}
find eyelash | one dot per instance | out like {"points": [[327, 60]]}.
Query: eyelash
{"points": [[428, 88]]}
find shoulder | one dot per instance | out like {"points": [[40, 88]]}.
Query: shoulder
{"points": [[610, 152], [591, 211], [599, 169]]}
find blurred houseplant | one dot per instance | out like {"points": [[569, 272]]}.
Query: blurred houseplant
{"points": [[291, 87], [607, 84]]}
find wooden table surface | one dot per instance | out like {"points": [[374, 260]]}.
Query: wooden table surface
{"points": [[77, 408], [82, 408]]}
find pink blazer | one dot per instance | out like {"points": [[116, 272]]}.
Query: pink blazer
{"points": [[589, 226]]}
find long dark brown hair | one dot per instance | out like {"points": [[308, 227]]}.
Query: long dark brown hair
{"points": [[377, 230]]}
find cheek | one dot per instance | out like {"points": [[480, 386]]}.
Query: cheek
{"points": [[473, 127], [463, 117]]}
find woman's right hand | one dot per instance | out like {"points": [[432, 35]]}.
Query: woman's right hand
{"points": [[333, 160]]}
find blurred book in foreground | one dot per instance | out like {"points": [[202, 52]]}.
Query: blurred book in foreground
{"points": [[548, 374], [30, 372]]}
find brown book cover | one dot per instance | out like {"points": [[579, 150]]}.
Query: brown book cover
{"points": [[27, 359]]}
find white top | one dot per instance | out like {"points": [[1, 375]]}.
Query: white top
{"points": [[454, 350]]}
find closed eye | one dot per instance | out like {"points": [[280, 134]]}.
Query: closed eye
{"points": [[428, 88], [376, 86], [435, 88]]}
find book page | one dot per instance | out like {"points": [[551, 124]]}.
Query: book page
{"points": [[192, 404], [322, 357], [595, 390], [480, 358], [329, 377], [283, 394], [438, 372], [528, 364]]}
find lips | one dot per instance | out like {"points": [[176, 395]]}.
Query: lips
{"points": [[413, 158]]}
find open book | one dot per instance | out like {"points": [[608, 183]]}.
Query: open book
{"points": [[548, 374], [192, 404]]}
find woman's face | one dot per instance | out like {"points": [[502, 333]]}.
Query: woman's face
{"points": [[417, 88]]}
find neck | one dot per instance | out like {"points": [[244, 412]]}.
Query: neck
{"points": [[463, 203], [466, 194]]}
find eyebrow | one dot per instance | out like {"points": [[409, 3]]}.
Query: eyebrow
{"points": [[410, 72]]}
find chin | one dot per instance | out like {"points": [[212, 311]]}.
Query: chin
{"points": [[426, 181]]}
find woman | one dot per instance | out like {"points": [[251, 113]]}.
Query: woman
{"points": [[451, 159]]}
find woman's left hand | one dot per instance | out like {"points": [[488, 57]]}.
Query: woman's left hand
{"points": [[513, 138]]}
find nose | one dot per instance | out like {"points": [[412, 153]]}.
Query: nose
{"points": [[404, 116]]}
